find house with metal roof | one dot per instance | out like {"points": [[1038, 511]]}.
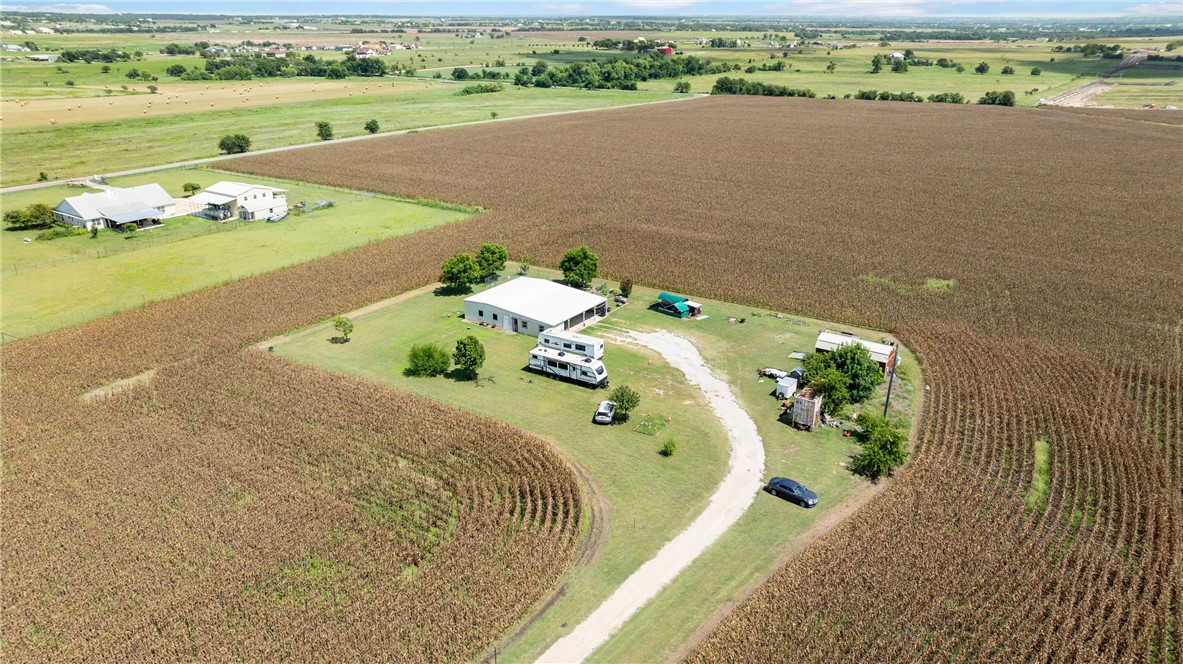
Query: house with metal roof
{"points": [[677, 305], [144, 206], [883, 354], [240, 200], [531, 306]]}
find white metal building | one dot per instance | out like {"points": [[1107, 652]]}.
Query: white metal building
{"points": [[829, 341], [227, 200], [530, 306]]}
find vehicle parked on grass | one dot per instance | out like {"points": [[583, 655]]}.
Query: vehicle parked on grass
{"points": [[561, 364], [792, 491], [605, 413]]}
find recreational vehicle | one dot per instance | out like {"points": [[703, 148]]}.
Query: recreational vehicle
{"points": [[572, 342], [561, 364]]}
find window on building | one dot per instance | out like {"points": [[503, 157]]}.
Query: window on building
{"points": [[494, 316], [480, 312]]}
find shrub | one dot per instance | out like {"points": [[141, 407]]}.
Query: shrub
{"points": [[481, 88], [191, 188], [372, 126], [682, 86], [324, 131], [627, 399], [995, 98], [884, 447], [668, 448], [626, 287], [428, 360]]}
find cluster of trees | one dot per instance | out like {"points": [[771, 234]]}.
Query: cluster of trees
{"points": [[723, 42], [245, 66], [37, 215], [481, 88], [846, 375], [462, 74], [89, 55], [618, 73], [998, 98], [738, 86], [627, 44], [888, 96], [429, 360], [138, 75], [779, 65], [464, 270], [884, 447], [181, 49], [1105, 51]]}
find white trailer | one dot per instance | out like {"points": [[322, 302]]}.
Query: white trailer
{"points": [[572, 342], [561, 364]]}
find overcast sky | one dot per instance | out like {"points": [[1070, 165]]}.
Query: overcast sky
{"points": [[766, 8]]}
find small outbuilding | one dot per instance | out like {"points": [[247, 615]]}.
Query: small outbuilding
{"points": [[676, 305], [828, 342], [531, 306], [785, 388], [806, 411]]}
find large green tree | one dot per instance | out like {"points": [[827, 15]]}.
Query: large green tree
{"points": [[469, 354], [234, 143], [580, 266], [831, 384], [884, 447], [491, 259], [460, 270]]}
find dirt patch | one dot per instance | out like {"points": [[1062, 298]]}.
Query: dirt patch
{"points": [[118, 386]]}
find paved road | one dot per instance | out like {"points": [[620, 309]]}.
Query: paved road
{"points": [[364, 137], [733, 497]]}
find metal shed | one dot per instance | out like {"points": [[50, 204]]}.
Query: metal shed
{"points": [[677, 305]]}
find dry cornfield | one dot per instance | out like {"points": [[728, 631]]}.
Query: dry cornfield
{"points": [[1062, 231]]}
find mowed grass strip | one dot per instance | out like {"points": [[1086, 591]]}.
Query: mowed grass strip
{"points": [[53, 284]]}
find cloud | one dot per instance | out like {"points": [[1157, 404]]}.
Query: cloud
{"points": [[1151, 9], [657, 5], [561, 7], [63, 9]]}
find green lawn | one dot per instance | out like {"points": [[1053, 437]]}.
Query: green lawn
{"points": [[650, 498], [51, 284], [72, 150]]}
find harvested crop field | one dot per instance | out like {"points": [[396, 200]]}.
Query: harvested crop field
{"points": [[1064, 323]]}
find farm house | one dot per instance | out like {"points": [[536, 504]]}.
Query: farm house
{"points": [[828, 341], [227, 200], [531, 306], [677, 305], [143, 206]]}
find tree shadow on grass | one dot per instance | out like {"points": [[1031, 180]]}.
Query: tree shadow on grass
{"points": [[446, 291], [338, 340]]}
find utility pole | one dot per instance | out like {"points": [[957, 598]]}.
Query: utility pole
{"points": [[890, 381]]}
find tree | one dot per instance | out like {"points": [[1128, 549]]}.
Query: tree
{"points": [[106, 69], [1008, 70], [900, 66], [191, 188], [372, 126], [14, 219], [626, 287], [832, 67], [37, 215], [876, 64], [627, 399], [152, 89], [960, 69], [580, 266], [460, 270], [173, 70], [884, 447], [682, 86], [344, 326], [831, 384], [909, 54], [996, 98], [862, 372], [982, 68], [460, 74], [42, 177], [234, 144], [324, 131], [428, 360], [1036, 71], [491, 259], [470, 354]]}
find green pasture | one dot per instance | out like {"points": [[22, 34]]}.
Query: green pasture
{"points": [[52, 284], [84, 149], [806, 68], [651, 498]]}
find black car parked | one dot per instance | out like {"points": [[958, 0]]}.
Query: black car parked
{"points": [[783, 487]]}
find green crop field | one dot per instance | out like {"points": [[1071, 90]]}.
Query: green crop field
{"points": [[650, 498], [51, 284]]}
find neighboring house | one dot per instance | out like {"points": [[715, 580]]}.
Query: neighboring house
{"points": [[13, 47], [144, 206], [43, 57], [531, 306], [242, 200], [896, 56]]}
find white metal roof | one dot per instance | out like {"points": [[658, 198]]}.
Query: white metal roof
{"points": [[236, 189], [565, 356], [262, 204], [207, 198], [538, 299], [115, 200], [572, 336], [828, 341]]}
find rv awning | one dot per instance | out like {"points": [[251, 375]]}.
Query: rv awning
{"points": [[681, 308], [129, 217], [669, 298]]}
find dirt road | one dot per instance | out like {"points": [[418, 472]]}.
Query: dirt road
{"points": [[735, 493]]}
